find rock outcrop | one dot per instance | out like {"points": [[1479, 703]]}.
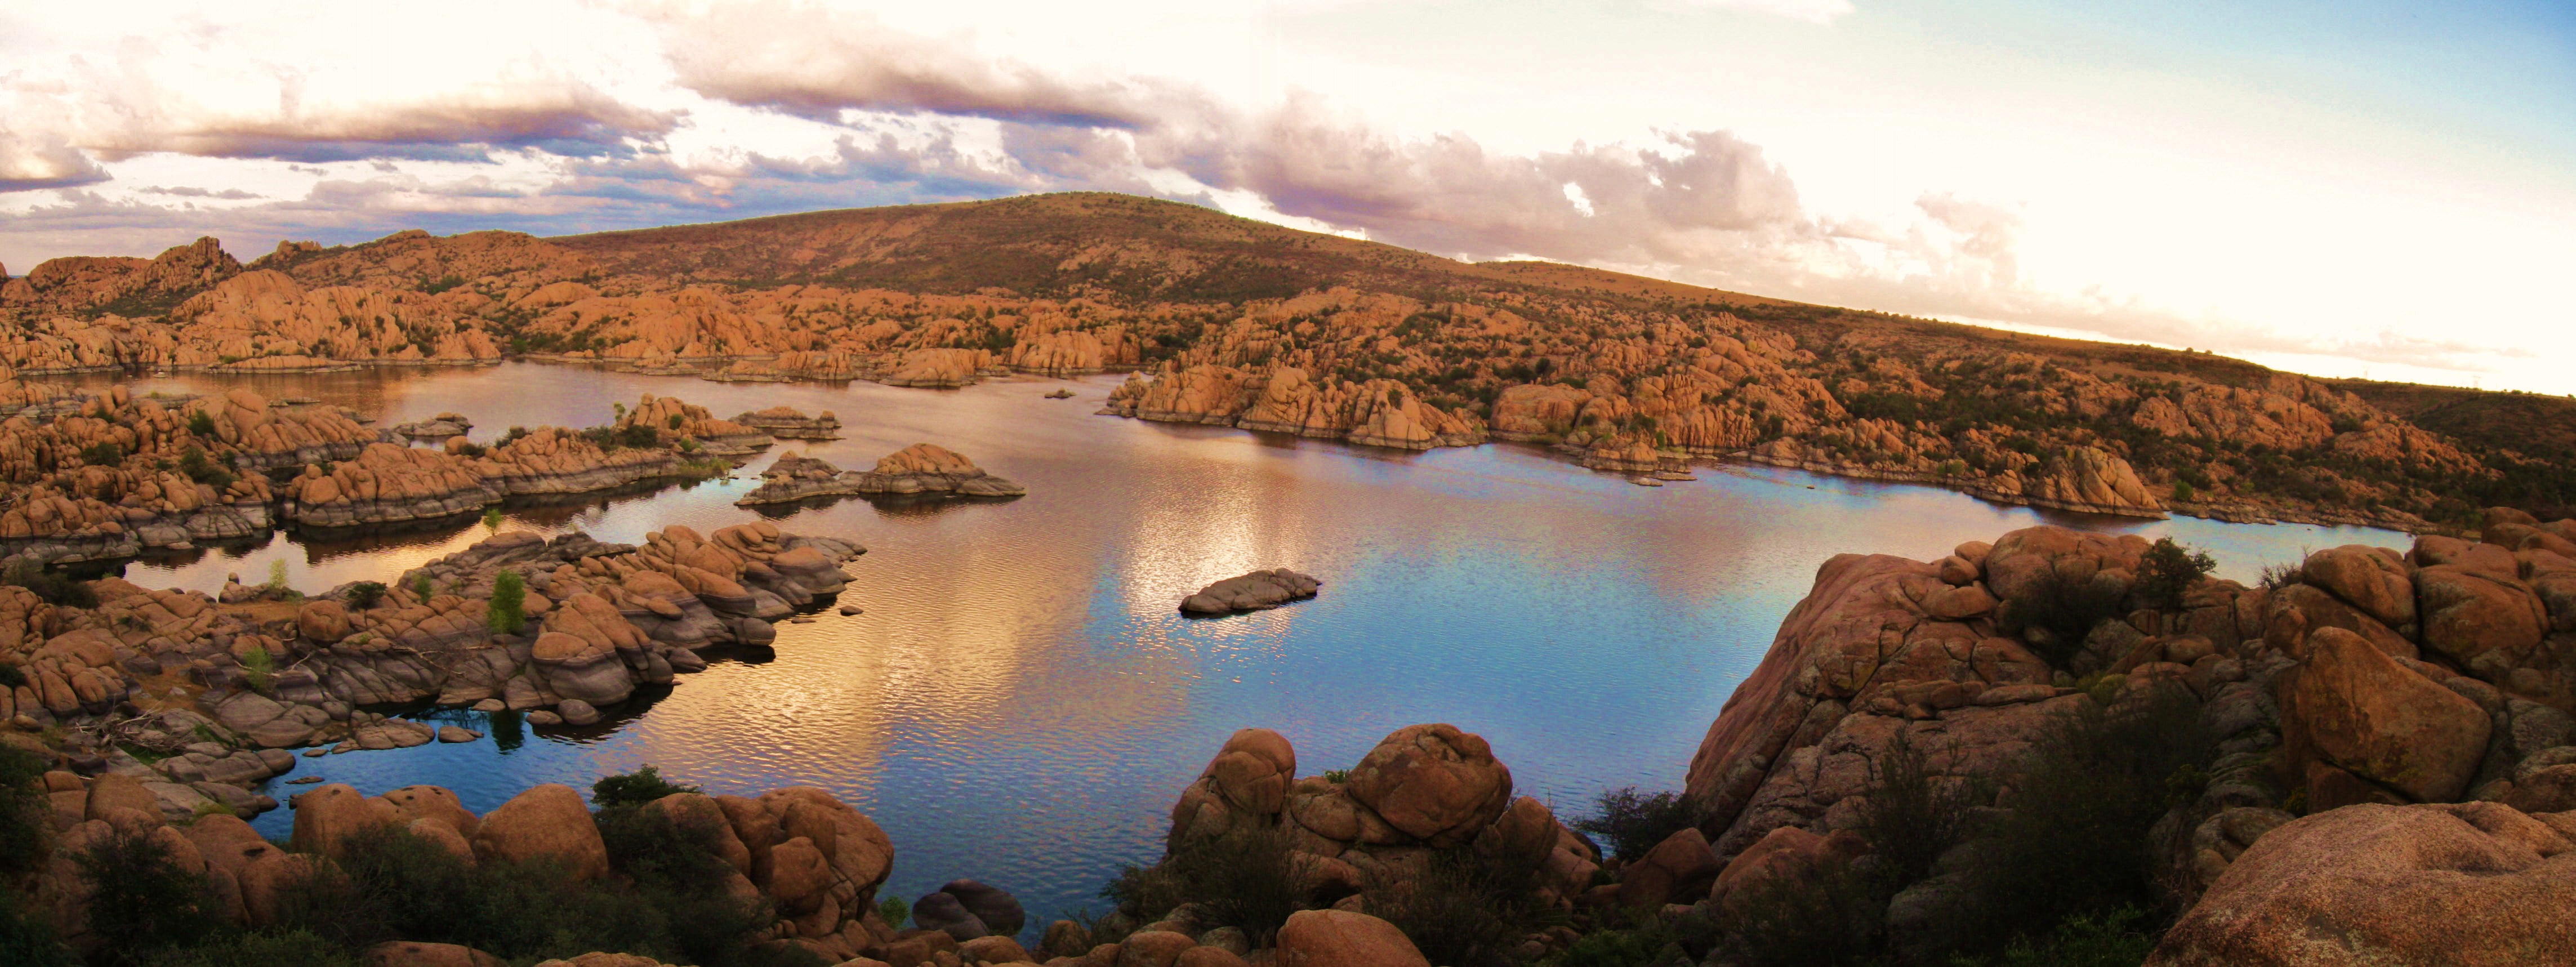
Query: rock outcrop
{"points": [[388, 484], [1424, 787], [1259, 590], [789, 423], [922, 469], [2470, 884], [1379, 413]]}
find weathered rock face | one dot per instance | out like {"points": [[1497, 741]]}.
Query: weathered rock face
{"points": [[2367, 714], [1884, 646], [938, 368], [925, 469], [1075, 352], [106, 476], [550, 822], [1256, 591], [1424, 787], [388, 484], [2470, 884], [2093, 480], [1285, 400]]}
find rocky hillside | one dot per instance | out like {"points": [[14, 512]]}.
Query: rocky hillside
{"points": [[1235, 322]]}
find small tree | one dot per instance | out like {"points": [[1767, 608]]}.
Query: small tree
{"points": [[636, 788], [365, 594], [103, 454], [492, 519], [2168, 570], [277, 576], [259, 668], [201, 423], [420, 586], [507, 611]]}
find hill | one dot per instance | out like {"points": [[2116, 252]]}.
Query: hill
{"points": [[1234, 321]]}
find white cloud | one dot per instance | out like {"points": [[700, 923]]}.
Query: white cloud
{"points": [[1811, 11]]}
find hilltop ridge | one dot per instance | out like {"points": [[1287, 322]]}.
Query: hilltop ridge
{"points": [[1238, 322]]}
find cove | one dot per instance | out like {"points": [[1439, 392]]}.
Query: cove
{"points": [[1020, 702]]}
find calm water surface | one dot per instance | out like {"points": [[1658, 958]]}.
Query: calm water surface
{"points": [[1020, 702]]}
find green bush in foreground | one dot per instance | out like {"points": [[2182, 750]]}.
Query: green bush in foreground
{"points": [[634, 788], [1632, 822], [507, 611]]}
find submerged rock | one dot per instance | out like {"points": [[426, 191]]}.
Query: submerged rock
{"points": [[1256, 591]]}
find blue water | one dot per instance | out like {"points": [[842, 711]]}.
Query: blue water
{"points": [[1020, 702]]}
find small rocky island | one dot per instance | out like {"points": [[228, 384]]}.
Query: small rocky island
{"points": [[1257, 591], [920, 469], [790, 423]]}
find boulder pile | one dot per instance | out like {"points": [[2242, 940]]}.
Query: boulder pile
{"points": [[2369, 690]]}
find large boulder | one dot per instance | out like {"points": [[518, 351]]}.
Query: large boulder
{"points": [[2487, 623], [546, 822], [1342, 938], [1000, 911], [2372, 579], [2361, 710], [1682, 866], [2468, 885], [1247, 783], [1434, 783], [328, 815]]}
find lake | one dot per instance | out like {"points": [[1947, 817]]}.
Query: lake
{"points": [[1021, 702]]}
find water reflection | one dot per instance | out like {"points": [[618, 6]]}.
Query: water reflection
{"points": [[1020, 699]]}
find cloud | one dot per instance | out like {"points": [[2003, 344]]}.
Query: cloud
{"points": [[814, 62], [28, 163], [190, 191], [1812, 11]]}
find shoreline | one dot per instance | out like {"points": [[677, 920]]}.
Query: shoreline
{"points": [[2242, 512]]}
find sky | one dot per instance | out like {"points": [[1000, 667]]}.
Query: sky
{"points": [[2356, 188]]}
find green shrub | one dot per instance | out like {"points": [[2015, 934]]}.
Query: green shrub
{"points": [[1911, 816], [420, 586], [366, 594], [469, 448], [259, 669], [277, 575], [10, 676], [492, 519], [26, 939], [676, 421], [1829, 918], [262, 949], [2111, 938], [634, 788], [894, 911], [2278, 576], [507, 611], [1243, 879], [389, 884], [2075, 843], [1460, 910], [25, 817], [2182, 491], [1632, 822], [2168, 570], [54, 587], [202, 424], [2065, 609], [102, 454], [196, 466], [140, 896]]}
